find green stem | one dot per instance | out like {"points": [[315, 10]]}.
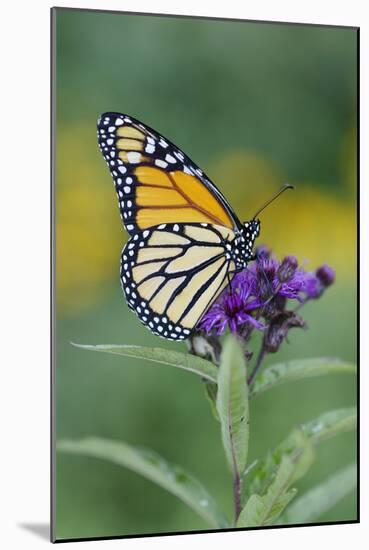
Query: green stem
{"points": [[237, 496], [259, 360]]}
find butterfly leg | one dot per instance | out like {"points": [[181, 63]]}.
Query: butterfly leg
{"points": [[229, 283]]}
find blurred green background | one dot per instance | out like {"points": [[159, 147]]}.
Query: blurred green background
{"points": [[254, 105]]}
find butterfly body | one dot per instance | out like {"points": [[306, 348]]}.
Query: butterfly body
{"points": [[186, 243]]}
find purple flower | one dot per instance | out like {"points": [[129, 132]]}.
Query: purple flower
{"points": [[262, 290], [233, 309], [287, 269], [261, 297], [275, 280], [317, 282]]}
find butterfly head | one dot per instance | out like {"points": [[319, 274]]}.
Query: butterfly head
{"points": [[253, 227]]}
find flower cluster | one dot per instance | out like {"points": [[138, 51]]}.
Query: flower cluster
{"points": [[258, 296]]}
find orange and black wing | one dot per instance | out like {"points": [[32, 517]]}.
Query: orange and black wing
{"points": [[155, 181]]}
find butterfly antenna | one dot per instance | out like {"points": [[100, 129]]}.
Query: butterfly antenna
{"points": [[282, 190]]}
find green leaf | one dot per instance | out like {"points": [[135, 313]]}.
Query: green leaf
{"points": [[153, 467], [211, 390], [318, 500], [297, 444], [185, 361], [330, 424], [323, 427], [264, 510], [232, 405], [298, 370]]}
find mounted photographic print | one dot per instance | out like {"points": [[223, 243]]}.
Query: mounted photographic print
{"points": [[204, 274]]}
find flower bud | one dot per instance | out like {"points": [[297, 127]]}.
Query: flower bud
{"points": [[278, 329], [287, 269], [326, 275], [274, 338], [262, 252]]}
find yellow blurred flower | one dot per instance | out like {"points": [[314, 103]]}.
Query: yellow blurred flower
{"points": [[89, 234]]}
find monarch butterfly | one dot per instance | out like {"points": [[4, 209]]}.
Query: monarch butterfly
{"points": [[186, 243]]}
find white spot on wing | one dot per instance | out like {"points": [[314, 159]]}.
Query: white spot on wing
{"points": [[149, 148], [134, 157]]}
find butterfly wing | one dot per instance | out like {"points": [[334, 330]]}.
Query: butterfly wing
{"points": [[155, 181], [172, 273]]}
